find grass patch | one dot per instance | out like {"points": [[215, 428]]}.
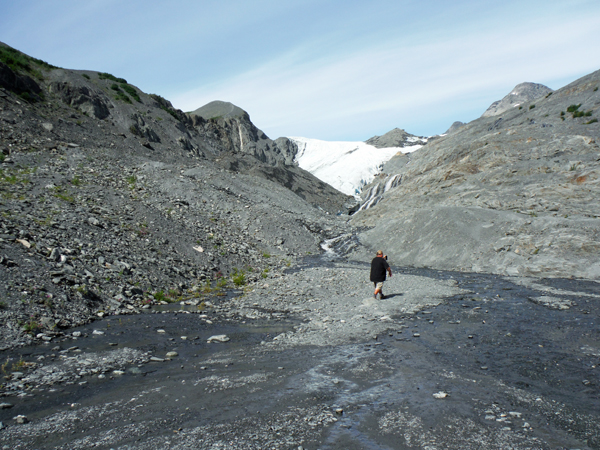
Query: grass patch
{"points": [[531, 106], [9, 176], [594, 120], [61, 193], [20, 62]]}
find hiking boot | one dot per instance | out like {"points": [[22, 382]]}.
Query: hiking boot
{"points": [[375, 296]]}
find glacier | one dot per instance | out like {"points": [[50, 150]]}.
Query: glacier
{"points": [[345, 165]]}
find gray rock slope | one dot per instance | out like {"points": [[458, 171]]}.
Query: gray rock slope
{"points": [[515, 193], [111, 199], [521, 94]]}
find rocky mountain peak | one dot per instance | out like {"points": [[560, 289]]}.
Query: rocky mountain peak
{"points": [[218, 108], [521, 93], [395, 138], [455, 126]]}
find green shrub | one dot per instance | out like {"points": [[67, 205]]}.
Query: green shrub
{"points": [[173, 113], [26, 96], [594, 120], [531, 106], [30, 327], [573, 108], [123, 97], [131, 91], [238, 277], [86, 76], [165, 105], [108, 76]]}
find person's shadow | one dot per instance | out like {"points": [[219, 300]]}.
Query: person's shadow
{"points": [[392, 295]]}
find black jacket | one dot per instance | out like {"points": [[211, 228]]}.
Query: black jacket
{"points": [[379, 267]]}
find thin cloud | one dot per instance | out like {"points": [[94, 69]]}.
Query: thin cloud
{"points": [[407, 79], [308, 67]]}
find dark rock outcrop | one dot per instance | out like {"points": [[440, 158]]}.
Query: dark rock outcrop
{"points": [[83, 98], [20, 84]]}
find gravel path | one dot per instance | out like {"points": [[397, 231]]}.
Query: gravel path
{"points": [[336, 303], [310, 360]]}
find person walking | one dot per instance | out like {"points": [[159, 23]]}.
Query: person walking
{"points": [[379, 266]]}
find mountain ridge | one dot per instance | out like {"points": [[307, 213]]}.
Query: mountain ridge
{"points": [[113, 200], [499, 194]]}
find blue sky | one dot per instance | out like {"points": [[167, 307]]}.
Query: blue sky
{"points": [[332, 70]]}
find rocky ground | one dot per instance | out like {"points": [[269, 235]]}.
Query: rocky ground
{"points": [[163, 285], [310, 360], [109, 206]]}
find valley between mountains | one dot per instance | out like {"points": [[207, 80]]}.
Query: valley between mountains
{"points": [[179, 280]]}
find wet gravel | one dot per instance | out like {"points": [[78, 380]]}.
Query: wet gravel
{"points": [[448, 361]]}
